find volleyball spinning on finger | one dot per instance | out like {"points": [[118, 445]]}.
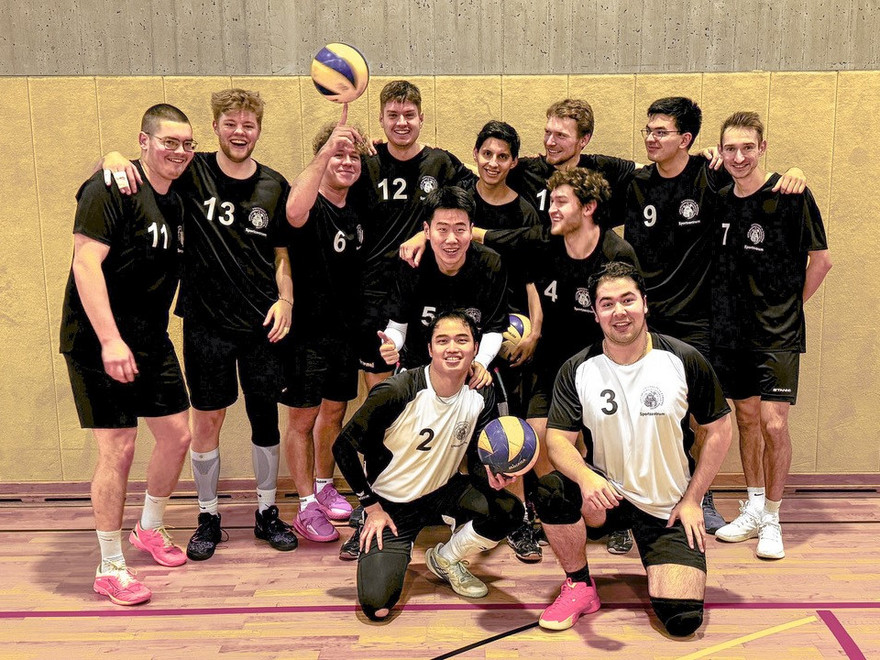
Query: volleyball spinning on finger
{"points": [[508, 445], [340, 72]]}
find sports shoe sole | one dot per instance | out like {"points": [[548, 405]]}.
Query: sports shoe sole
{"points": [[113, 599], [311, 536], [738, 538], [565, 624]]}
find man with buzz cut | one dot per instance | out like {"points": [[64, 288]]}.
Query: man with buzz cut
{"points": [[772, 255], [114, 337], [414, 431], [631, 395], [236, 299], [393, 187]]}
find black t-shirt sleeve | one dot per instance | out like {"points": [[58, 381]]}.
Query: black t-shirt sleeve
{"points": [[814, 237], [496, 319], [706, 401], [365, 433], [278, 225], [99, 211], [460, 175], [566, 409], [717, 178]]}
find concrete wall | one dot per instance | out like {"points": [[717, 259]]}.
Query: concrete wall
{"points": [[58, 127]]}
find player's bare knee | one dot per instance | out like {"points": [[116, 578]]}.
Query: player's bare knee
{"points": [[680, 617]]}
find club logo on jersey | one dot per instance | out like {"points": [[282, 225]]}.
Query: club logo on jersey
{"points": [[359, 232], [460, 434], [258, 218], [689, 210], [475, 314], [582, 296], [651, 398], [756, 235], [427, 184]]}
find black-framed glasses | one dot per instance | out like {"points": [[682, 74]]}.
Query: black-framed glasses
{"points": [[658, 133], [173, 144]]}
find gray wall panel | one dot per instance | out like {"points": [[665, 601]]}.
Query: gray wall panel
{"points": [[429, 37]]}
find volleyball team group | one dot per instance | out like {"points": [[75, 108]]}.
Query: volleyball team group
{"points": [[394, 260]]}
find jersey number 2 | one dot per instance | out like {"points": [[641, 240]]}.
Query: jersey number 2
{"points": [[425, 445]]}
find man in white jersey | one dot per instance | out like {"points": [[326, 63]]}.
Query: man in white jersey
{"points": [[414, 430], [631, 395]]}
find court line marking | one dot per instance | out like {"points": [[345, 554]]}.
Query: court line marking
{"points": [[847, 643], [483, 642], [414, 607], [748, 638]]}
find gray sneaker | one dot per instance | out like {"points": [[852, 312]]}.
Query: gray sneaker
{"points": [[459, 578], [712, 520]]}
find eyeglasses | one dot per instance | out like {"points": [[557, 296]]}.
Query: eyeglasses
{"points": [[173, 144], [658, 133]]}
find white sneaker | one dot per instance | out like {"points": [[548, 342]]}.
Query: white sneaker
{"points": [[744, 526], [462, 581], [770, 539]]}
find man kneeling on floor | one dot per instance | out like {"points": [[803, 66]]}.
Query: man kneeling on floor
{"points": [[414, 429], [631, 395]]}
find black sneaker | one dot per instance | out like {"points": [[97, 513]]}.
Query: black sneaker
{"points": [[712, 520], [620, 542], [524, 544], [269, 527], [351, 549], [356, 518], [208, 534]]}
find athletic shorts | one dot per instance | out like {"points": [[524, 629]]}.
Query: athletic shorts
{"points": [[696, 334], [319, 370], [772, 375], [103, 403], [210, 357], [541, 392], [374, 317], [657, 544]]}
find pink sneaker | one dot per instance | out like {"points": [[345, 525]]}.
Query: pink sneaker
{"points": [[313, 525], [575, 599], [334, 505], [159, 544], [120, 586]]}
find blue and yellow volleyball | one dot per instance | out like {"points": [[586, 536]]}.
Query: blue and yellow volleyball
{"points": [[340, 72], [519, 327], [508, 445]]}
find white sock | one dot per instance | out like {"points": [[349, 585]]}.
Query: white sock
{"points": [[154, 511], [756, 499], [265, 498], [465, 542], [771, 508], [320, 483], [111, 548], [305, 501], [209, 507]]}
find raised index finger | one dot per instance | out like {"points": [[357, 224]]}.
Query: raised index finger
{"points": [[344, 117]]}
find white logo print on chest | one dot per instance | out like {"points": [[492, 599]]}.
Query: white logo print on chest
{"points": [[689, 210]]}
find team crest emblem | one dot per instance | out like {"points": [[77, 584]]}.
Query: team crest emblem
{"points": [[583, 297], [427, 184], [359, 232], [475, 314], [756, 234], [652, 397], [180, 236], [459, 434], [259, 218], [689, 209]]}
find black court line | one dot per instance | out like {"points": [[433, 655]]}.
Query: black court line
{"points": [[483, 642]]}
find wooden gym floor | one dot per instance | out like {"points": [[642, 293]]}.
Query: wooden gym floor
{"points": [[821, 601]]}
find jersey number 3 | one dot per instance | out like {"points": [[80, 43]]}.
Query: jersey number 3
{"points": [[610, 404]]}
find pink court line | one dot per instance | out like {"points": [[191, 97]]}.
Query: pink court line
{"points": [[319, 609], [852, 650]]}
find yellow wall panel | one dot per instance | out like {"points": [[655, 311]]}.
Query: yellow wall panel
{"points": [[649, 88], [611, 98], [27, 383], [121, 105], [464, 105], [850, 353], [524, 103], [726, 93]]}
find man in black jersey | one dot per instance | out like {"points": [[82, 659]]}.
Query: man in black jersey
{"points": [[114, 336], [631, 395], [394, 183], [236, 298], [414, 430], [454, 274], [324, 244], [772, 256], [669, 221]]}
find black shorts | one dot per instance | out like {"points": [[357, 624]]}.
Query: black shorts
{"points": [[657, 543], [374, 317], [321, 369], [772, 375], [541, 392], [210, 357], [104, 403], [695, 333]]}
